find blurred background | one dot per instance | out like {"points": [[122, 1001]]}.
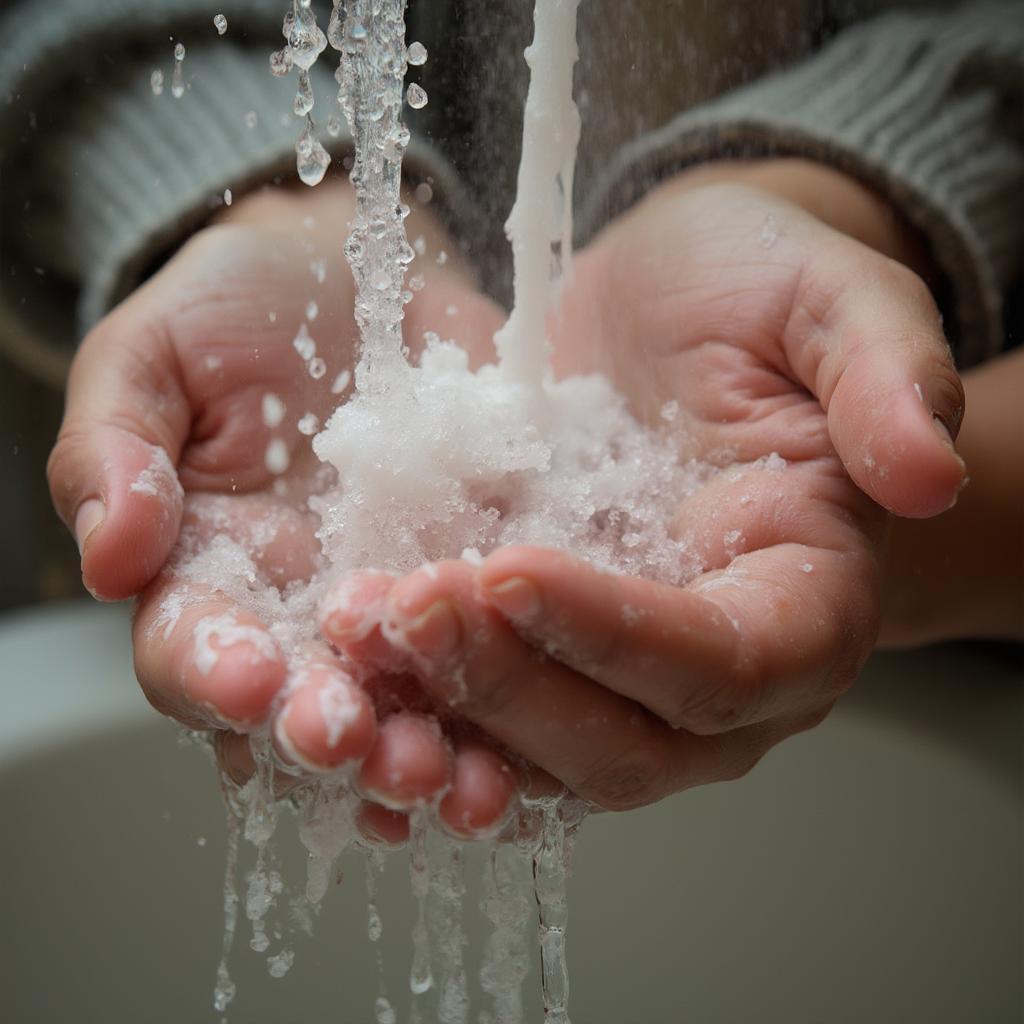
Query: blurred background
{"points": [[872, 870]]}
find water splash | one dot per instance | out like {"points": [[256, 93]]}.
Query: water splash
{"points": [[177, 76]]}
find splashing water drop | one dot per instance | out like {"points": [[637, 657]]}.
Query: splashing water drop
{"points": [[281, 62], [220, 23], [276, 458], [416, 96], [304, 344], [395, 144], [177, 78], [280, 965], [383, 1011]]}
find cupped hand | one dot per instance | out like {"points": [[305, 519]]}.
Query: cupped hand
{"points": [[181, 428], [812, 370]]}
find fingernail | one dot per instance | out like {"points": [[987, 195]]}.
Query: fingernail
{"points": [[946, 405], [435, 633], [517, 598], [943, 429], [89, 515]]}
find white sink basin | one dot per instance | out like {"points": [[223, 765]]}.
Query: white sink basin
{"points": [[870, 871]]}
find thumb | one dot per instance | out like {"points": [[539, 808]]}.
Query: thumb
{"points": [[872, 349], [112, 471]]}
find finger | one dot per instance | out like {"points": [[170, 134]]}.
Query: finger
{"points": [[483, 787], [865, 337], [466, 654], [326, 719], [350, 615], [773, 634], [112, 471], [410, 763], [382, 826], [602, 746], [203, 660]]}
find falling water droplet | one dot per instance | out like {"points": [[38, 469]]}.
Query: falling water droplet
{"points": [[227, 197], [281, 62], [312, 159], [416, 96], [304, 97], [220, 23], [384, 1012], [177, 79], [304, 37], [333, 126], [417, 54], [251, 119], [156, 82]]}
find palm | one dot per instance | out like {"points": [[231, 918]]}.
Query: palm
{"points": [[705, 343], [768, 334]]}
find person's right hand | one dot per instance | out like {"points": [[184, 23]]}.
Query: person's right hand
{"points": [[164, 442]]}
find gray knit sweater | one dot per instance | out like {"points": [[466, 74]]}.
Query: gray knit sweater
{"points": [[101, 177]]}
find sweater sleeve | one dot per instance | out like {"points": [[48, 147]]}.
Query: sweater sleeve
{"points": [[928, 110], [105, 173]]}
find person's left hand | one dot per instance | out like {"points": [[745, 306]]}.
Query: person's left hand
{"points": [[774, 333], [166, 447]]}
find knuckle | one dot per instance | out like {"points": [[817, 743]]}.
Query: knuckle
{"points": [[740, 765], [720, 705], [484, 695], [624, 782]]}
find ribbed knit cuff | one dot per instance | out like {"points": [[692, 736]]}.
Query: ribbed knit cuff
{"points": [[924, 110]]}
